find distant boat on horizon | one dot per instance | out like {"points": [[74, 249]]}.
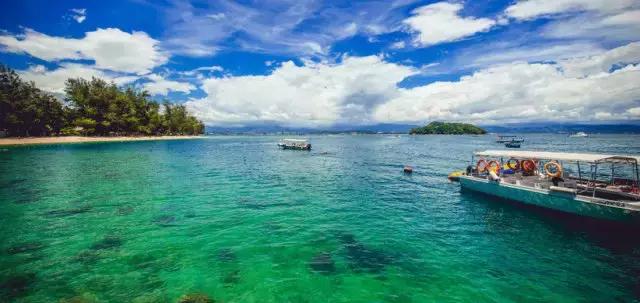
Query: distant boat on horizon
{"points": [[579, 135]]}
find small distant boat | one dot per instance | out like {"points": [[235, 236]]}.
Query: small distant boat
{"points": [[299, 144], [509, 138], [512, 144], [579, 135]]}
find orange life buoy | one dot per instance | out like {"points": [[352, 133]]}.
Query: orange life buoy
{"points": [[555, 164], [493, 163], [482, 168], [528, 165], [514, 167]]}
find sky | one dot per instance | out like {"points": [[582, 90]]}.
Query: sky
{"points": [[321, 63]]}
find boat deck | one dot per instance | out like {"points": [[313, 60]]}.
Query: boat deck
{"points": [[578, 186]]}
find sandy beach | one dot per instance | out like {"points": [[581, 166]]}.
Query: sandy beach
{"points": [[80, 139]]}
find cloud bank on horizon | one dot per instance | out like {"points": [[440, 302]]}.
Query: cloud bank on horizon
{"points": [[314, 64]]}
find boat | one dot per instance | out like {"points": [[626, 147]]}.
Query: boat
{"points": [[579, 135], [299, 144], [512, 144], [598, 186], [509, 138]]}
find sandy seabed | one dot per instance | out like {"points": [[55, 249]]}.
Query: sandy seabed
{"points": [[80, 139]]}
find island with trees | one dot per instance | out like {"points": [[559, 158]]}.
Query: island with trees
{"points": [[90, 108], [444, 128]]}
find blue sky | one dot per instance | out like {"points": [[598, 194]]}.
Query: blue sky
{"points": [[315, 63]]}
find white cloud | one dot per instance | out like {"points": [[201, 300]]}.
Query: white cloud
{"points": [[54, 80], [79, 14], [522, 91], [441, 22], [159, 85], [603, 86], [217, 16], [531, 9], [398, 45], [314, 94], [110, 48], [623, 26]]}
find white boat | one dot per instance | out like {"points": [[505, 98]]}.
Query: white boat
{"points": [[300, 144], [579, 135], [509, 139], [592, 185]]}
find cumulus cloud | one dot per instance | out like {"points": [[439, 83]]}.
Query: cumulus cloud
{"points": [[159, 85], [79, 14], [314, 94], [570, 90], [110, 48], [365, 90], [441, 22], [54, 80]]}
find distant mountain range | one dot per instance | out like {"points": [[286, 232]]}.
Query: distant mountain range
{"points": [[405, 128]]}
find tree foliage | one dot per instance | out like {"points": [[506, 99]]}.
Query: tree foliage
{"points": [[93, 107], [443, 128], [26, 110]]}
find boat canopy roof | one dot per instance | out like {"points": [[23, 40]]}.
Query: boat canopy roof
{"points": [[295, 140], [541, 155]]}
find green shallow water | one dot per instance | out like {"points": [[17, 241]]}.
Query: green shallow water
{"points": [[242, 221]]}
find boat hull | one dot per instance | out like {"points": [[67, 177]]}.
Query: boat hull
{"points": [[560, 201]]}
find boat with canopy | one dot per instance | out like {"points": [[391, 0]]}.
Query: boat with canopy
{"points": [[600, 186], [300, 144]]}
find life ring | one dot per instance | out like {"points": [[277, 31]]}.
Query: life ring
{"points": [[528, 165], [558, 167], [482, 168], [491, 164], [514, 167]]}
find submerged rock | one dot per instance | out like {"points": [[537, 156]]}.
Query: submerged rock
{"points": [[125, 210], [84, 298], [68, 212], [195, 298], [165, 220], [226, 255], [26, 247], [363, 258], [87, 257], [107, 242], [231, 278], [323, 263], [16, 286]]}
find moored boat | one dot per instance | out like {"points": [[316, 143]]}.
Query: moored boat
{"points": [[299, 144], [593, 185], [579, 135], [509, 138]]}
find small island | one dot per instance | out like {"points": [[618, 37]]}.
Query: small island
{"points": [[444, 128]]}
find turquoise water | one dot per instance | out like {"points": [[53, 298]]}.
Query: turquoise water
{"points": [[239, 220]]}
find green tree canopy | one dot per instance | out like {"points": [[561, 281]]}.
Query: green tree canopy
{"points": [[443, 128], [94, 107]]}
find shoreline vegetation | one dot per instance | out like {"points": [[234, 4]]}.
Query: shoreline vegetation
{"points": [[14, 141], [444, 128], [92, 108]]}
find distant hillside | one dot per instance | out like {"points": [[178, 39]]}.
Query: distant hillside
{"points": [[268, 128], [444, 128], [564, 128]]}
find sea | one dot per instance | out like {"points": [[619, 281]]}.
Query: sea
{"points": [[235, 219]]}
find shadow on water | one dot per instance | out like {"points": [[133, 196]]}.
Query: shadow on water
{"points": [[617, 237]]}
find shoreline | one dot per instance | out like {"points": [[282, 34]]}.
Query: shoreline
{"points": [[81, 139]]}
